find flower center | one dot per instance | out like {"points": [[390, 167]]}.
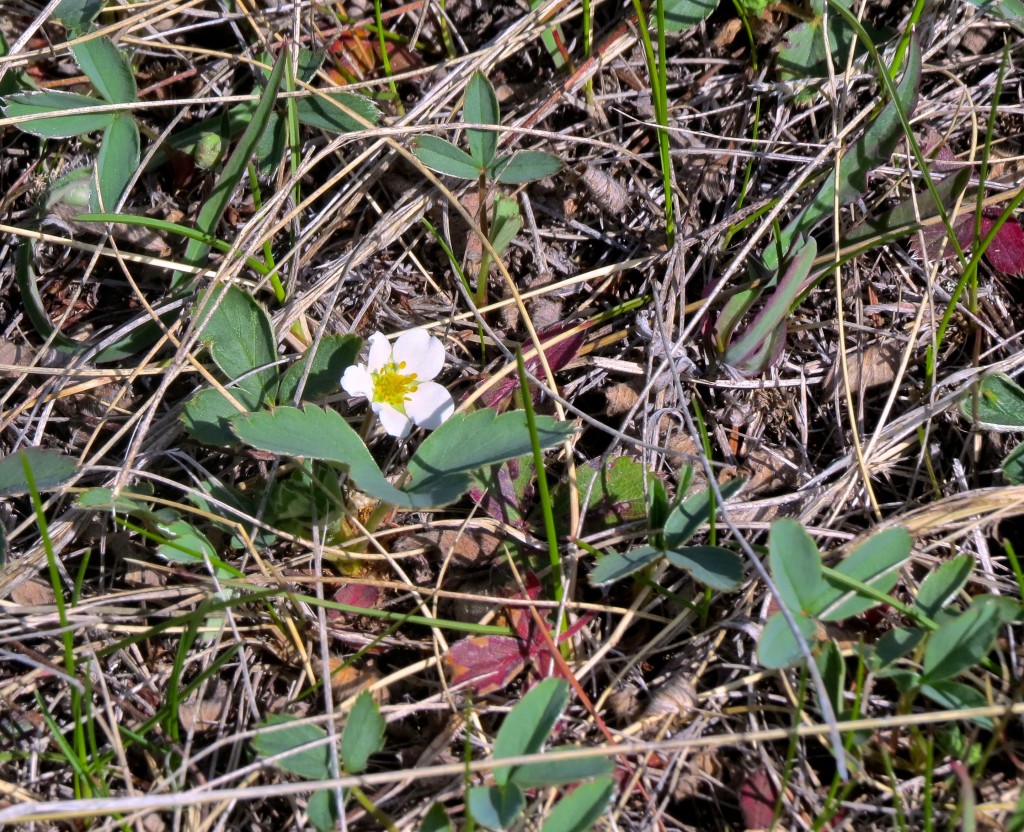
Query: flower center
{"points": [[393, 387]]}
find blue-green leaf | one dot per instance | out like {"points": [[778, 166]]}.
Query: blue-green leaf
{"points": [[50, 470], [118, 160], [795, 564], [692, 513], [310, 763], [579, 811], [337, 112], [524, 166], [363, 734], [778, 646], [42, 112], [956, 696], [961, 643], [714, 566], [444, 157], [682, 15], [481, 107], [942, 585], [1000, 404], [108, 70], [558, 767], [327, 361], [616, 566], [494, 807], [874, 563], [528, 724], [469, 442]]}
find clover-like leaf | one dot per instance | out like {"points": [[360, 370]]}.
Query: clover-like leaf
{"points": [[714, 566], [524, 166], [282, 735], [443, 157], [481, 107]]}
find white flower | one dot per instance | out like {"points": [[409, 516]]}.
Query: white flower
{"points": [[397, 381]]}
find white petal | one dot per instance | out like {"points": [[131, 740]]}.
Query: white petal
{"points": [[422, 353], [357, 381], [430, 405], [380, 352], [395, 423]]}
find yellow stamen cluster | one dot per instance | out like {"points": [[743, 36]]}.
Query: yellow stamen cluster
{"points": [[393, 387]]}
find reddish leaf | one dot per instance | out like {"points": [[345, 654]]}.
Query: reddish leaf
{"points": [[757, 800], [1005, 253], [489, 663], [486, 663], [355, 595], [558, 355]]}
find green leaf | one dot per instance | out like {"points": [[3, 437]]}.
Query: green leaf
{"points": [[872, 149], [468, 442], [524, 166], [441, 468], [315, 433], [714, 566], [444, 157], [956, 696], [481, 107], [960, 644], [896, 644], [217, 202], [363, 734], [188, 545], [553, 771], [796, 565], [50, 470], [616, 566], [271, 146], [579, 811], [76, 15], [108, 70], [118, 160], [529, 724], [682, 15], [1013, 466], [803, 54], [1000, 403], [874, 563], [754, 350], [778, 647], [327, 361], [32, 301], [310, 763], [104, 500], [336, 112], [42, 111], [436, 820], [506, 222], [494, 807], [693, 513], [614, 492], [239, 335], [942, 585], [832, 668], [322, 810], [208, 414]]}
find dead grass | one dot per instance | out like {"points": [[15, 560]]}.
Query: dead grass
{"points": [[702, 729]]}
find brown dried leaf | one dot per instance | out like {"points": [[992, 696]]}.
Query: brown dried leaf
{"points": [[33, 593], [198, 715], [872, 366]]}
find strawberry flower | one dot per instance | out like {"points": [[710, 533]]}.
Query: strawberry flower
{"points": [[397, 380]]}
